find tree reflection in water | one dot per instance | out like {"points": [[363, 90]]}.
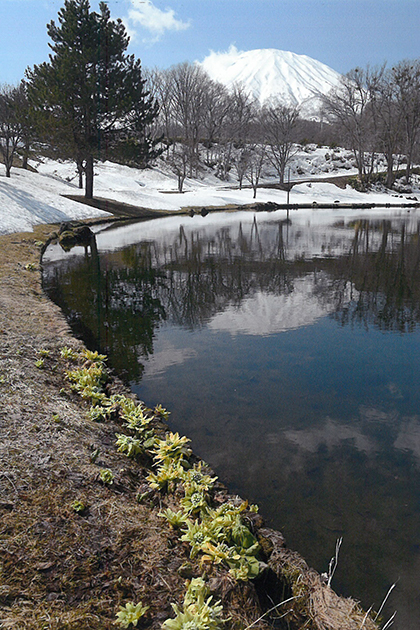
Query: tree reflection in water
{"points": [[291, 355]]}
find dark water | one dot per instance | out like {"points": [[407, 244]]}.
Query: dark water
{"points": [[289, 352]]}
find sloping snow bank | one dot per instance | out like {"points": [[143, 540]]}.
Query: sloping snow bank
{"points": [[28, 199]]}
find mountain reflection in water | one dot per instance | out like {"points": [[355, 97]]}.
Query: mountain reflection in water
{"points": [[289, 351]]}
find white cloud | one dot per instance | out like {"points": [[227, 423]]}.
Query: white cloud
{"points": [[153, 19]]}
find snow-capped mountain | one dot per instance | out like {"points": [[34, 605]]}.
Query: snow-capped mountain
{"points": [[274, 74]]}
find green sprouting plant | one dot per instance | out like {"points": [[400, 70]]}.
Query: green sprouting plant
{"points": [[106, 476], [78, 506], [109, 407], [130, 614], [88, 382], [227, 514], [172, 447], [198, 610], [221, 552], [30, 267], [175, 519], [129, 445], [197, 535], [247, 568], [242, 537], [136, 417], [221, 536], [93, 376], [123, 402], [94, 455], [98, 413], [195, 500], [68, 353], [162, 412], [242, 566], [167, 476], [129, 406], [93, 356], [197, 592], [195, 478], [43, 352], [93, 394], [40, 364]]}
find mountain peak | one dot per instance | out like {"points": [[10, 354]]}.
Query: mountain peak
{"points": [[267, 74]]}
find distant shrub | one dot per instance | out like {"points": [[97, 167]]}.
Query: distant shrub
{"points": [[363, 186]]}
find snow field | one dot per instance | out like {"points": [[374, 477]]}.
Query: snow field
{"points": [[29, 198]]}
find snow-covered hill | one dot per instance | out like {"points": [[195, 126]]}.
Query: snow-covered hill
{"points": [[274, 74]]}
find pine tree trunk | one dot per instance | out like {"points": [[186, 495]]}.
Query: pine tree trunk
{"points": [[25, 155], [7, 159], [80, 171], [89, 177]]}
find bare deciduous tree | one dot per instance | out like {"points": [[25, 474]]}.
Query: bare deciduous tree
{"points": [[406, 77], [278, 123], [256, 159], [179, 162], [387, 116], [160, 86], [242, 165], [190, 84], [349, 107], [13, 104], [235, 133]]}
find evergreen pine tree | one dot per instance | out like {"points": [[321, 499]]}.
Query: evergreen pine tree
{"points": [[91, 93]]}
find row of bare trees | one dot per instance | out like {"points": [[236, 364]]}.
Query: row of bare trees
{"points": [[372, 111], [378, 111], [236, 132]]}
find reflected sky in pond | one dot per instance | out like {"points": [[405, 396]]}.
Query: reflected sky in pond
{"points": [[289, 351]]}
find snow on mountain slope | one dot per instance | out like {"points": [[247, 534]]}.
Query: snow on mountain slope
{"points": [[268, 73]]}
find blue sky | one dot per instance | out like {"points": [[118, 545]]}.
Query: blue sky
{"points": [[341, 33]]}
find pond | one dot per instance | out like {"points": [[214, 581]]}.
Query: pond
{"points": [[289, 351]]}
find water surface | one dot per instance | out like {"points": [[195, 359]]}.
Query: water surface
{"points": [[289, 351]]}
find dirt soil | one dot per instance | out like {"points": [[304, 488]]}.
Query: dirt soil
{"points": [[66, 569]]}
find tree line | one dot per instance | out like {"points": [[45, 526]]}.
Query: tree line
{"points": [[377, 110], [371, 111], [92, 101]]}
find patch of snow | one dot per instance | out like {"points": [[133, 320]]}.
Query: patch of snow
{"points": [[28, 198]]}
